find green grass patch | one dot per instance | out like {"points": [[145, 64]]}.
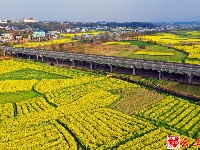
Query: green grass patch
{"points": [[67, 36], [154, 53], [160, 50], [130, 43], [188, 34], [16, 97], [177, 57], [26, 74]]}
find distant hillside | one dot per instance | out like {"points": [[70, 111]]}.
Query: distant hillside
{"points": [[132, 24], [189, 19]]}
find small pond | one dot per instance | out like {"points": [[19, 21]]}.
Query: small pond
{"points": [[190, 89]]}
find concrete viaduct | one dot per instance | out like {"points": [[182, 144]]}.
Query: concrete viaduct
{"points": [[159, 66]]}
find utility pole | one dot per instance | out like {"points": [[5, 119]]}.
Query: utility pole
{"points": [[39, 41]]}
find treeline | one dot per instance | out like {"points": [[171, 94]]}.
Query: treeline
{"points": [[132, 24], [48, 26]]}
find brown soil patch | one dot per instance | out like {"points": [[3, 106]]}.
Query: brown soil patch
{"points": [[101, 49], [136, 99], [5, 58]]}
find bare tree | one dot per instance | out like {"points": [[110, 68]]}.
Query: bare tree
{"points": [[61, 46]]}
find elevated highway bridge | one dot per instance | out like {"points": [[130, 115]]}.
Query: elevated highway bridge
{"points": [[169, 67]]}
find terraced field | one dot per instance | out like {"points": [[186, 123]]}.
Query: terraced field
{"points": [[72, 109]]}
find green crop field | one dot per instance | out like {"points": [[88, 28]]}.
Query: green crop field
{"points": [[13, 97], [130, 49], [47, 107], [186, 41], [64, 38], [129, 43]]}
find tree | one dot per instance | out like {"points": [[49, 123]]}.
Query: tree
{"points": [[81, 48], [132, 35], [1, 52], [125, 35], [107, 36], [53, 47], [61, 46]]}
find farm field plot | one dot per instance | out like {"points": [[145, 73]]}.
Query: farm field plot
{"points": [[187, 42], [175, 113], [135, 99], [64, 39], [151, 52], [180, 47], [47, 107], [131, 49], [44, 43]]}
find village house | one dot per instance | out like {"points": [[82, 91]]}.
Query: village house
{"points": [[52, 35], [29, 19], [39, 34], [6, 37]]}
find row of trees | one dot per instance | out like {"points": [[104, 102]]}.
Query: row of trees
{"points": [[82, 41], [109, 36]]}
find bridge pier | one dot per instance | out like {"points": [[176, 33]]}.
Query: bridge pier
{"points": [[4, 53], [37, 57], [159, 75], [73, 63], [140, 71], [42, 58], [190, 78], [29, 57], [91, 66], [133, 70], [111, 68], [57, 61], [17, 55]]}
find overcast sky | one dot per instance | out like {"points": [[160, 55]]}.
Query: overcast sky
{"points": [[99, 10]]}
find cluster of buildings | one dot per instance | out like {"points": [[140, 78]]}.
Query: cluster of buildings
{"points": [[50, 35], [6, 37], [29, 20], [12, 37], [6, 21], [25, 20], [15, 32], [85, 29]]}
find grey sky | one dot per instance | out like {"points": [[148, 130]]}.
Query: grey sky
{"points": [[99, 10]]}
